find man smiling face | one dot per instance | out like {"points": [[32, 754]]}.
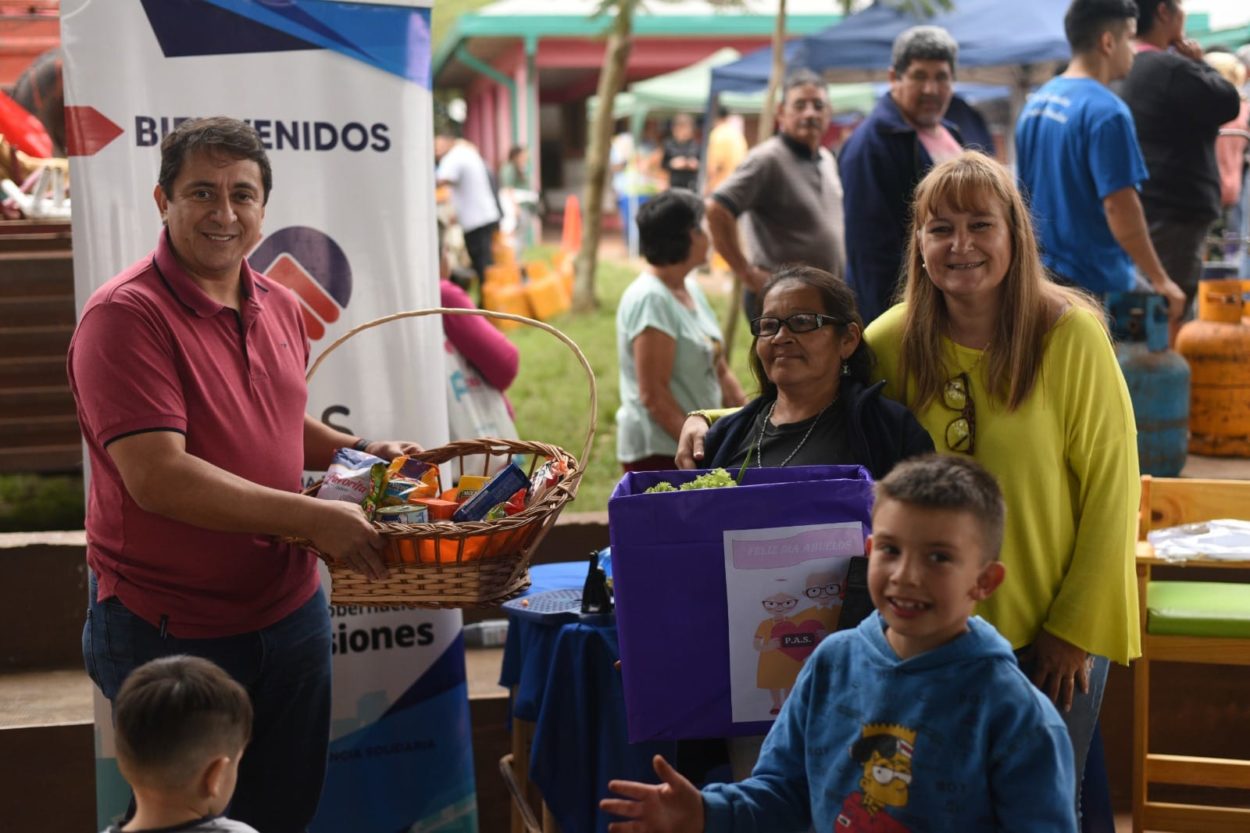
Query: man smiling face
{"points": [[214, 211]]}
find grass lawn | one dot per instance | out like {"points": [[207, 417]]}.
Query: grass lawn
{"points": [[550, 392], [30, 502]]}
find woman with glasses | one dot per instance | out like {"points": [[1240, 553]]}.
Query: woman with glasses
{"points": [[669, 345], [816, 404], [815, 407], [1000, 363]]}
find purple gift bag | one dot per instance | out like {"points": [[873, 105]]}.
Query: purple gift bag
{"points": [[670, 552]]}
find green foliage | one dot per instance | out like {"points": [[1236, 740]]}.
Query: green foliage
{"points": [[31, 502]]}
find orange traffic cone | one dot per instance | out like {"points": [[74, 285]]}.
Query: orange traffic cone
{"points": [[571, 237]]}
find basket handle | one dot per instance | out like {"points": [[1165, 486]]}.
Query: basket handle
{"points": [[505, 316]]}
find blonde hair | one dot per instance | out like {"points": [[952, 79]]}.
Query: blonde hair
{"points": [[972, 182], [1228, 65]]}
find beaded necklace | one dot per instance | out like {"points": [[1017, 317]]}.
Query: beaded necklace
{"points": [[759, 440]]}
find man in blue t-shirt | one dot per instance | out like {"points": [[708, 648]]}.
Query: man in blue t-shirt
{"points": [[1080, 164]]}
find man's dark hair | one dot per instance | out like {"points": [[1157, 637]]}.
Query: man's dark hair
{"points": [[837, 301], [664, 226], [216, 135], [952, 482], [1086, 20], [1148, 14], [176, 714], [516, 151], [800, 78], [923, 43]]}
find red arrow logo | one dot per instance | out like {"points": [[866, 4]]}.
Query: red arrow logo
{"points": [[88, 131]]}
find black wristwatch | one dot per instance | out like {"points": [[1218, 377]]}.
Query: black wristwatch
{"points": [[361, 444]]}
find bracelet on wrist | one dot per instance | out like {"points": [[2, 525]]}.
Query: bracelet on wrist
{"points": [[701, 415], [361, 444]]}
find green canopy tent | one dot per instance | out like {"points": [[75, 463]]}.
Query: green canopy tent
{"points": [[686, 91]]}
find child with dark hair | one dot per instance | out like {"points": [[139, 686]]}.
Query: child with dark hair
{"points": [[920, 718], [669, 343], [181, 724]]}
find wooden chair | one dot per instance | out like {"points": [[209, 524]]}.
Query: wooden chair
{"points": [[514, 769], [1191, 622]]}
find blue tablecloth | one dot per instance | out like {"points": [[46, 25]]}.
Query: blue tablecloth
{"points": [[566, 683]]}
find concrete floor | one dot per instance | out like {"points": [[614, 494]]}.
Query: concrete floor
{"points": [[44, 698], [51, 698]]}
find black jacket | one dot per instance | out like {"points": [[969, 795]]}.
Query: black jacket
{"points": [[880, 165], [883, 432], [1178, 106]]}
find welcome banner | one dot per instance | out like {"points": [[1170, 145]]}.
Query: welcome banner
{"points": [[340, 94]]}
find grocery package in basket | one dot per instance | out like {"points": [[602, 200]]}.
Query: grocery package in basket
{"points": [[407, 491], [723, 591]]}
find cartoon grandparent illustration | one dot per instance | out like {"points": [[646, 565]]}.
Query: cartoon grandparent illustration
{"points": [[778, 666], [824, 589]]}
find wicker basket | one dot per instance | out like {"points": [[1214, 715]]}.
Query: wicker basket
{"points": [[469, 564]]}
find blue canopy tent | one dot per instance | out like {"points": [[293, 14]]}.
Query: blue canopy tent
{"points": [[990, 33], [1000, 42]]}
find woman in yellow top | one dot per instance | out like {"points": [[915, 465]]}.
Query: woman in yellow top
{"points": [[999, 363]]}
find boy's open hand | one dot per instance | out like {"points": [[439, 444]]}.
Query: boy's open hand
{"points": [[675, 806]]}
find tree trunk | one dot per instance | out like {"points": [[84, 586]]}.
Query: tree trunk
{"points": [[767, 121], [775, 78], [611, 80]]}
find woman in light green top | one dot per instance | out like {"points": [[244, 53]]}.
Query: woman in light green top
{"points": [[669, 345], [1000, 363]]}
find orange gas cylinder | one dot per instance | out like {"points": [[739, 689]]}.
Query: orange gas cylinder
{"points": [[547, 297], [1217, 347], [506, 298], [503, 274]]}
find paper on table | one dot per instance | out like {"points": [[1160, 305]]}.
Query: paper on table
{"points": [[1220, 540]]}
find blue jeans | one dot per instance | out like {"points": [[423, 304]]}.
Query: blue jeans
{"points": [[286, 671], [1243, 227], [1082, 718]]}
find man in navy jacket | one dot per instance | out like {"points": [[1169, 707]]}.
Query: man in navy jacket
{"points": [[886, 156]]}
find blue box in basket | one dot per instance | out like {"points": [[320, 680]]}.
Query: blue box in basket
{"points": [[721, 594]]}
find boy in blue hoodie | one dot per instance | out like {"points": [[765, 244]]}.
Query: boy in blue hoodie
{"points": [[917, 720]]}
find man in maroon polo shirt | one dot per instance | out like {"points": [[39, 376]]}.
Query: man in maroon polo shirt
{"points": [[188, 372]]}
